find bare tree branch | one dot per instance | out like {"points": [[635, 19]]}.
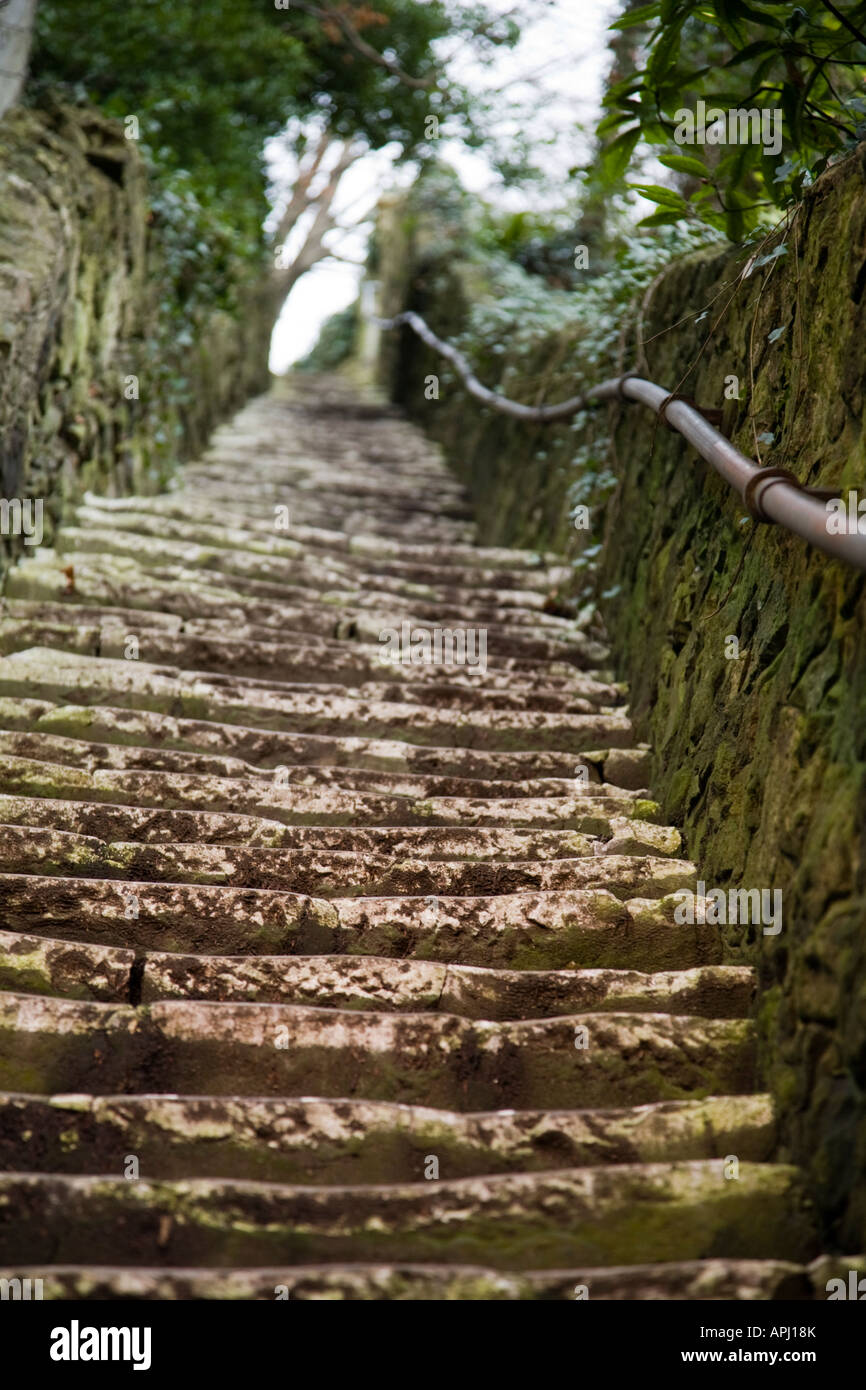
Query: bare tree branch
{"points": [[299, 200], [313, 248], [366, 50]]}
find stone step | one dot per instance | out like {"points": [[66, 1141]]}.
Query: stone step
{"points": [[200, 1048], [108, 822], [192, 503], [109, 974], [269, 748], [473, 694], [287, 1140], [507, 627], [327, 479], [303, 576], [335, 527], [68, 677], [325, 626], [21, 748], [332, 483], [115, 582], [351, 517], [686, 1280], [93, 629], [152, 825], [172, 917], [297, 804], [432, 569], [588, 928], [353, 672], [26, 849], [593, 1216], [106, 581], [322, 472]]}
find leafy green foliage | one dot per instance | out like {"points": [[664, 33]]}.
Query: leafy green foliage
{"points": [[505, 334], [542, 243], [209, 84], [806, 60], [519, 308]]}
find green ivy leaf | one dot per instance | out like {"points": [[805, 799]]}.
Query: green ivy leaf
{"points": [[656, 194], [665, 52], [773, 255], [643, 15], [785, 170], [615, 159], [685, 164], [616, 118], [738, 10], [752, 50], [655, 133]]}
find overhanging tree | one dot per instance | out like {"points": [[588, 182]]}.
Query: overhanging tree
{"points": [[211, 84]]}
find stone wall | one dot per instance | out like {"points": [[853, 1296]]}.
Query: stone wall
{"points": [[86, 357], [759, 757]]}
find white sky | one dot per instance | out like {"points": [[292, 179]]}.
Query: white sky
{"points": [[559, 65]]}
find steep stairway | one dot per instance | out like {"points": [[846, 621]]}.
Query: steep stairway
{"points": [[329, 978]]}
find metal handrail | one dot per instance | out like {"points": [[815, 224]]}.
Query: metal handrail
{"points": [[769, 494]]}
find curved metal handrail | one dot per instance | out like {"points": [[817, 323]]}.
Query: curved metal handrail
{"points": [[770, 494]]}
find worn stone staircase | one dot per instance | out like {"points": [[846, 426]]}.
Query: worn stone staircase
{"points": [[325, 978]]}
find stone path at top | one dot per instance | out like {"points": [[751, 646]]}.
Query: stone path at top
{"points": [[328, 978]]}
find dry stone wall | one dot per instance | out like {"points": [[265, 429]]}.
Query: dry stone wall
{"points": [[86, 363]]}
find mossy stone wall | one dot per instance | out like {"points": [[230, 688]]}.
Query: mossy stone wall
{"points": [[82, 310]]}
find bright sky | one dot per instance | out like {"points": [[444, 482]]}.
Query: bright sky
{"points": [[559, 63]]}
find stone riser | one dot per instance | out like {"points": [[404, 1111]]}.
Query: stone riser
{"points": [[585, 1216], [354, 1141]]}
